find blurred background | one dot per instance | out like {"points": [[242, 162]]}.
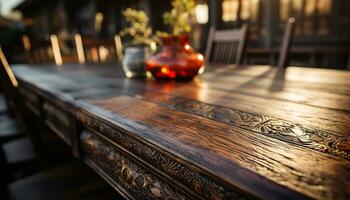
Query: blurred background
{"points": [[322, 30]]}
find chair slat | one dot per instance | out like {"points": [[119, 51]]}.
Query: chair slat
{"points": [[222, 48]]}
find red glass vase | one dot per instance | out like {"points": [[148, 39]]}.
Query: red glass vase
{"points": [[175, 60]]}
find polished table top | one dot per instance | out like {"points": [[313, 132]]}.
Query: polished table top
{"points": [[263, 132]]}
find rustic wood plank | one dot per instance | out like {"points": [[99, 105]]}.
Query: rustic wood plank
{"points": [[212, 143], [299, 74], [296, 112], [321, 96], [328, 142], [291, 131], [228, 126], [215, 97], [279, 85]]}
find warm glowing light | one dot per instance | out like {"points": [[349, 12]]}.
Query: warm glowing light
{"points": [[310, 7], [94, 54], [103, 52], [118, 47], [251, 10], [187, 46], [26, 43], [245, 10], [128, 74], [229, 10], [98, 21], [200, 57], [56, 49], [201, 70], [325, 6], [307, 9], [148, 74], [202, 13], [8, 69], [164, 70], [291, 20], [284, 9], [80, 48], [297, 5], [153, 46]]}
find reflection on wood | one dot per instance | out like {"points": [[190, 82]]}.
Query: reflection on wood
{"points": [[323, 141], [231, 133]]}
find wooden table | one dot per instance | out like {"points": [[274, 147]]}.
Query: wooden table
{"points": [[232, 133]]}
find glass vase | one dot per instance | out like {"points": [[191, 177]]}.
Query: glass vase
{"points": [[176, 59]]}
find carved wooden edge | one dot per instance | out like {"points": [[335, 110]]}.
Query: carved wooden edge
{"points": [[138, 181], [58, 121], [198, 182], [191, 178], [322, 141]]}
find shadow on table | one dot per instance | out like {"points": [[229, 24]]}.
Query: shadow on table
{"points": [[278, 81]]}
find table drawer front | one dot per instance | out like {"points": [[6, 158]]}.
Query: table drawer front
{"points": [[137, 180], [31, 101], [58, 121]]}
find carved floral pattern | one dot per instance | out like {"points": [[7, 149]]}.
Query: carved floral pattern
{"points": [[141, 183], [193, 180], [323, 141]]}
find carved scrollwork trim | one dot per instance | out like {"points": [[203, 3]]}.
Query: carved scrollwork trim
{"points": [[199, 183], [195, 181], [142, 183], [319, 140]]}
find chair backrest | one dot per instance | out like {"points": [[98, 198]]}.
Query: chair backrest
{"points": [[10, 86], [286, 43], [47, 51], [98, 50], [40, 51], [226, 46]]}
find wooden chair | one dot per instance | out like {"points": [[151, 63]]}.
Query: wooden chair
{"points": [[44, 51], [69, 181], [98, 50], [41, 52], [12, 132], [286, 44], [72, 180], [226, 46], [67, 49]]}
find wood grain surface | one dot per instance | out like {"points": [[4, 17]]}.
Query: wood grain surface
{"points": [[251, 132]]}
